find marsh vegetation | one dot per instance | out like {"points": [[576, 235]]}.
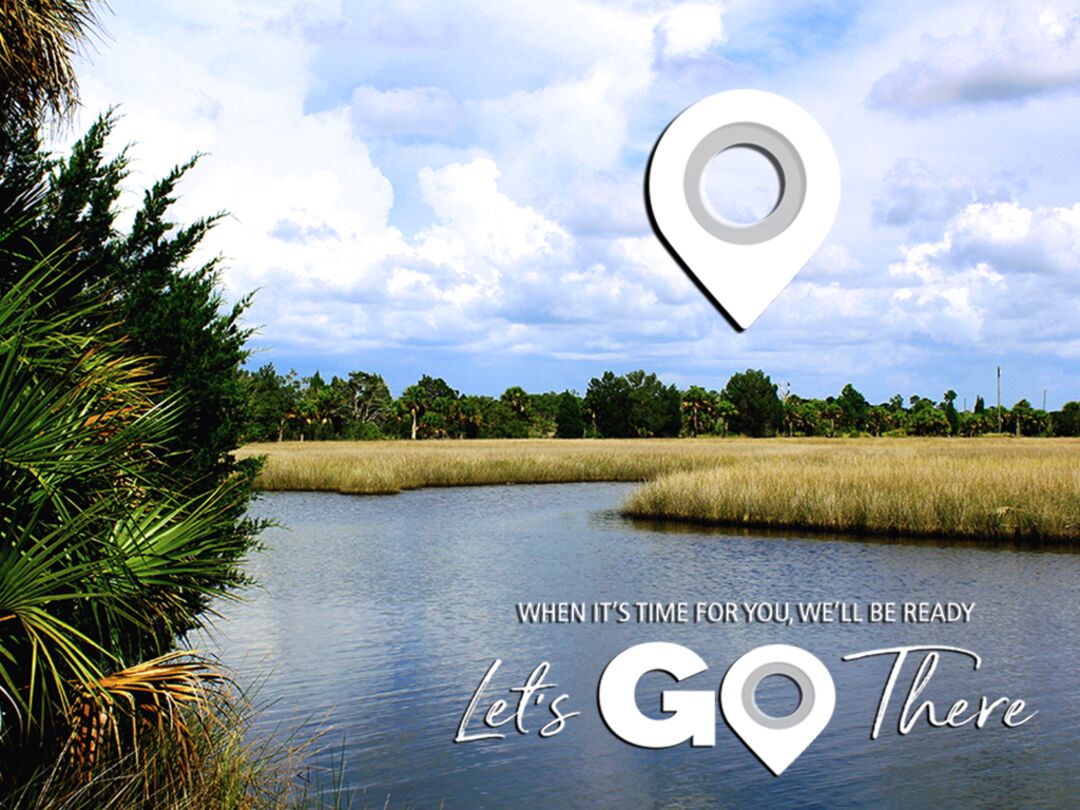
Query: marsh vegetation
{"points": [[987, 487]]}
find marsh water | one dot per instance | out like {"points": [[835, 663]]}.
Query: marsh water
{"points": [[377, 618]]}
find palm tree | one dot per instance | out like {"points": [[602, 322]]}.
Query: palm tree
{"points": [[517, 399], [832, 412], [698, 403], [103, 563], [414, 403], [38, 39], [725, 412], [878, 419]]}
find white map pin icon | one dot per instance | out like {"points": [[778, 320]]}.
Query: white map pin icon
{"points": [[743, 268], [778, 741]]}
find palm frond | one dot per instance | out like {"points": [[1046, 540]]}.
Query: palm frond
{"points": [[38, 40], [153, 700]]}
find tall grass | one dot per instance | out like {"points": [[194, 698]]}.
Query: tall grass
{"points": [[391, 466], [986, 488], [227, 767]]}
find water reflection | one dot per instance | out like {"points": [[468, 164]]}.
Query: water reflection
{"points": [[383, 613]]}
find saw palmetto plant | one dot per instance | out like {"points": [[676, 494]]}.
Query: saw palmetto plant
{"points": [[103, 561]]}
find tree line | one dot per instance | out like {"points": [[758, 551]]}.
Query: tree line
{"points": [[637, 404]]}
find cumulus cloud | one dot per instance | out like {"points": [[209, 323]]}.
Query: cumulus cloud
{"points": [[312, 211], [425, 176], [1017, 50], [1001, 274]]}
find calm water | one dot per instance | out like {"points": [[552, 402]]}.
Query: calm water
{"points": [[378, 616]]}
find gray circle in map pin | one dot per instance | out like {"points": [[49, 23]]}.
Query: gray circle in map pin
{"points": [[806, 695], [779, 152]]}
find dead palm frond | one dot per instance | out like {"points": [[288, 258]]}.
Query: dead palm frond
{"points": [[147, 706]]}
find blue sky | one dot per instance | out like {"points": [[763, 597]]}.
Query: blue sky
{"points": [[456, 188]]}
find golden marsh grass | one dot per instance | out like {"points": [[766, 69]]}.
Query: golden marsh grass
{"points": [[980, 488], [391, 466], [1026, 490]]}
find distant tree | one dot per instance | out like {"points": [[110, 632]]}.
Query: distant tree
{"points": [[366, 397], [272, 399], [608, 400], [699, 409], [753, 393], [654, 407], [505, 422], [1027, 421], [436, 388], [518, 400], [854, 407], [469, 418], [832, 413], [1066, 422], [949, 409], [799, 416], [438, 420], [975, 423], [725, 412], [543, 415], [928, 420], [878, 419], [569, 421], [980, 406], [325, 410], [413, 404], [427, 407]]}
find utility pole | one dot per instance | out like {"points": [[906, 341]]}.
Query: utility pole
{"points": [[999, 398], [1044, 399]]}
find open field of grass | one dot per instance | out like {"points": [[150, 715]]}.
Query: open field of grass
{"points": [[983, 488]]}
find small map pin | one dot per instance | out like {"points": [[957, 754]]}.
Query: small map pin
{"points": [[778, 741], [742, 268]]}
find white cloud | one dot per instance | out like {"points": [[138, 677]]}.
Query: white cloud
{"points": [[470, 178], [691, 29], [312, 212], [582, 121], [995, 266], [1017, 50], [480, 232]]}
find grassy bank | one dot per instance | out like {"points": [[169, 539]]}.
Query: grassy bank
{"points": [[392, 466], [986, 488]]}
